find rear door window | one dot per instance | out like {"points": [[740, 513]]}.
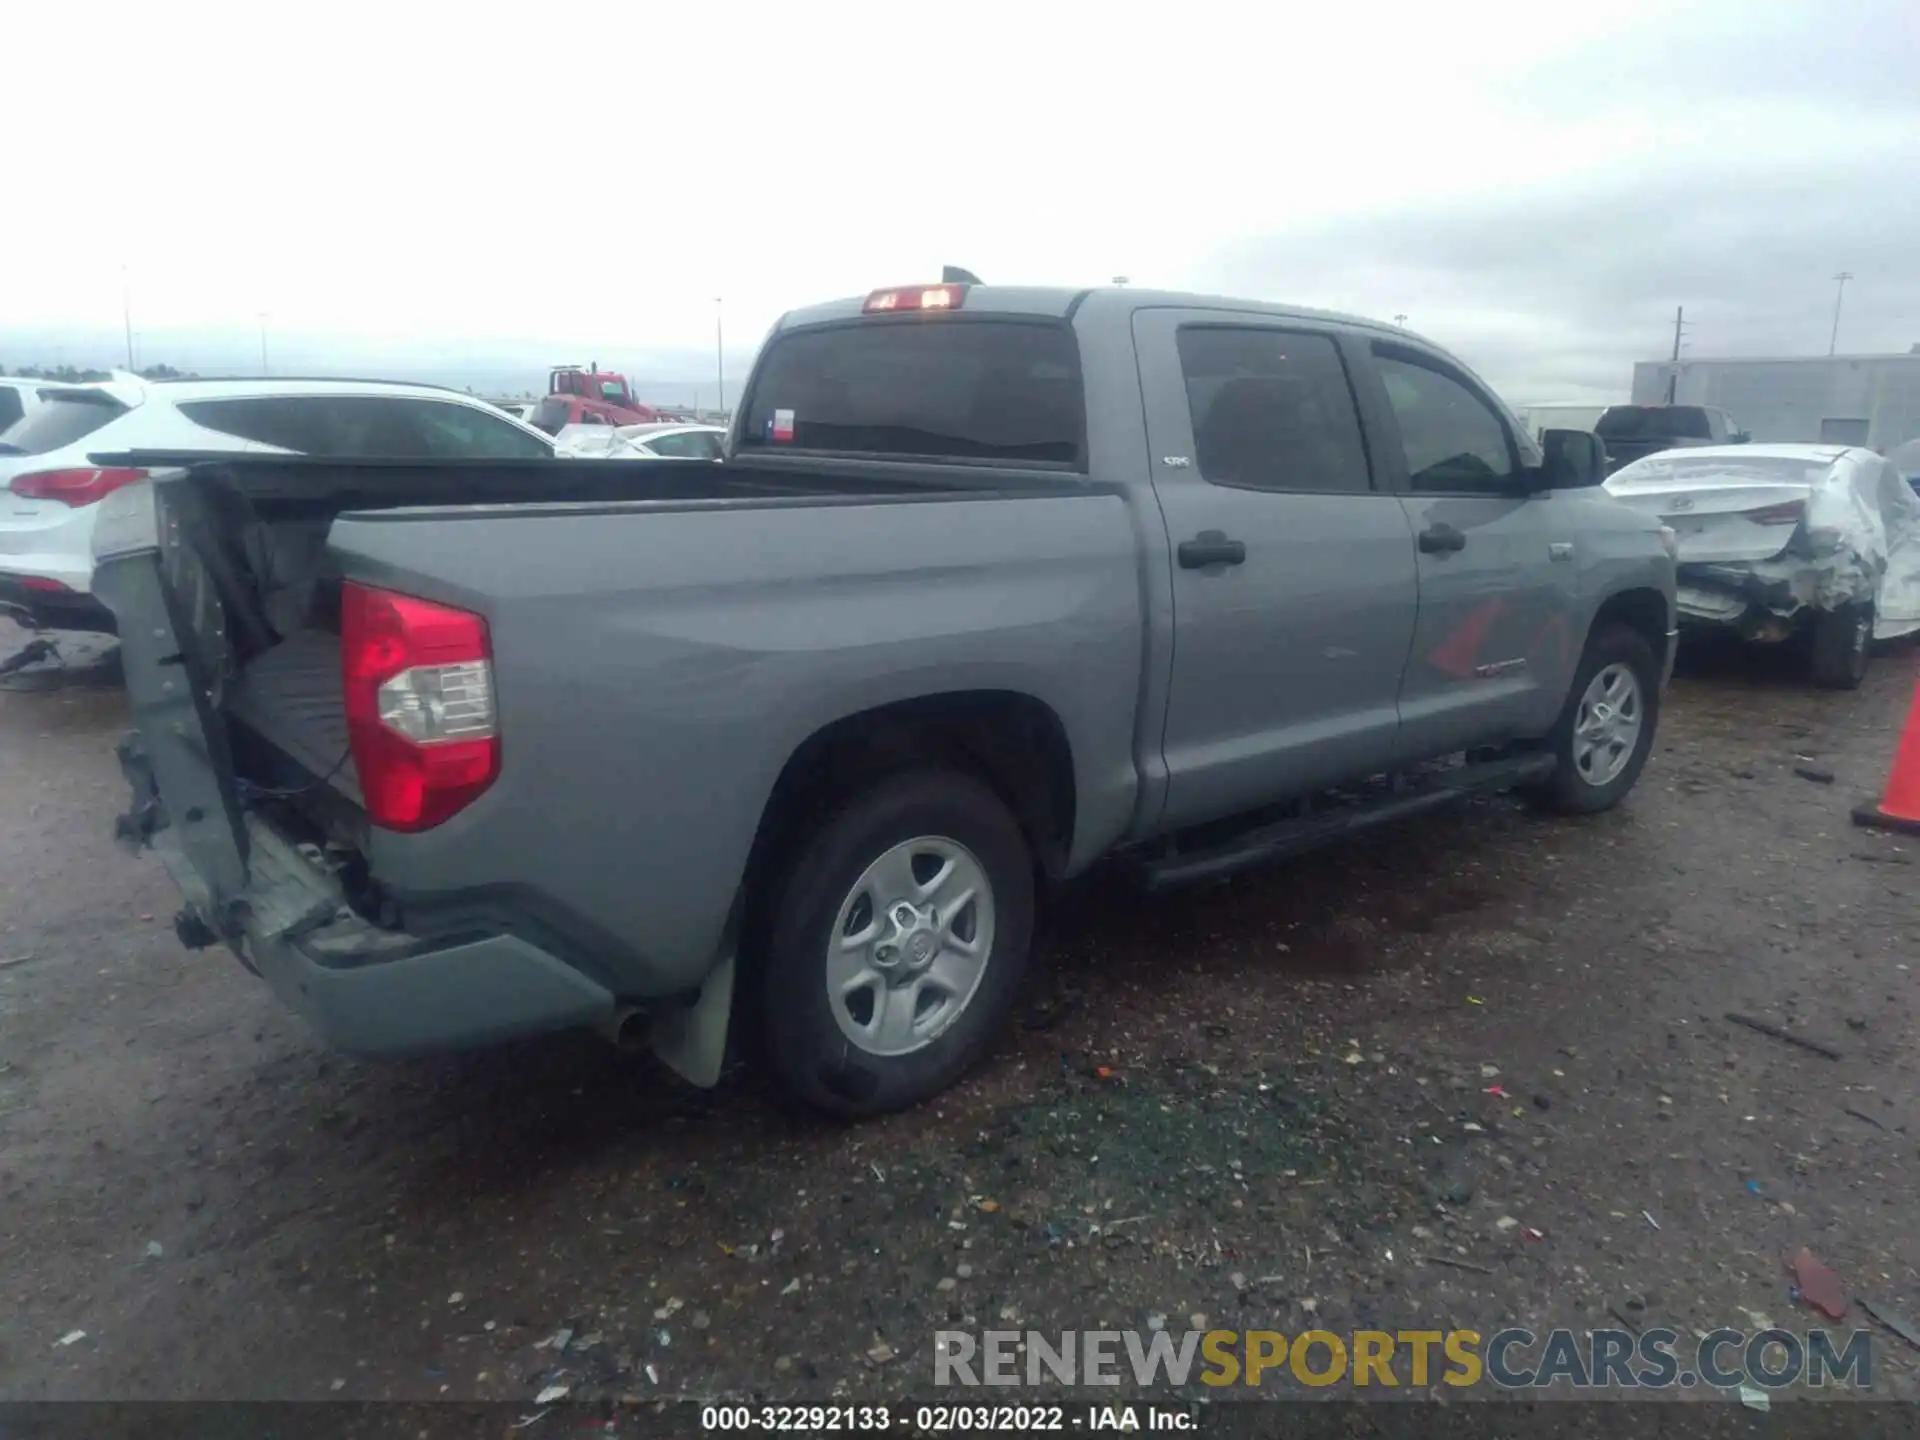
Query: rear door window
{"points": [[62, 418], [294, 423], [10, 408], [687, 445], [1272, 410], [368, 426], [994, 391]]}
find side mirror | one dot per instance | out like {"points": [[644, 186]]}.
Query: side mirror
{"points": [[1574, 460], [1739, 437]]}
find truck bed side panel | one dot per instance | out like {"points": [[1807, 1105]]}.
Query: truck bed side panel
{"points": [[657, 666]]}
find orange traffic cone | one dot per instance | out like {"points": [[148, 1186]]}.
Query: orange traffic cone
{"points": [[1899, 807]]}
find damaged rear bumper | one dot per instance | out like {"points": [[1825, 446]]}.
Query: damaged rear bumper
{"points": [[1764, 602], [369, 991]]}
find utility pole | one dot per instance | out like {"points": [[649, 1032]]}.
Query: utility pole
{"points": [[1401, 321], [1840, 290], [263, 343], [1673, 375], [126, 311], [1120, 281], [719, 355]]}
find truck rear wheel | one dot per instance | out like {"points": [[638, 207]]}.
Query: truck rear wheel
{"points": [[896, 944], [1606, 731]]}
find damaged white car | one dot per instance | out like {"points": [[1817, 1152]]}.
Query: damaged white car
{"points": [[1814, 543]]}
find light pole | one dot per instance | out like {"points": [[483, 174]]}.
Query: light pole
{"points": [[126, 311], [263, 343], [719, 354], [1840, 290]]}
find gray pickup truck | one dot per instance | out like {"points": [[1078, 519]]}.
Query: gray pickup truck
{"points": [[784, 752]]}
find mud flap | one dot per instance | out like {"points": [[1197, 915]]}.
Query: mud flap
{"points": [[691, 1041]]}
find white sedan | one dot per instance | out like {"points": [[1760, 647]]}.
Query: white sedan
{"points": [[664, 440], [1776, 542]]}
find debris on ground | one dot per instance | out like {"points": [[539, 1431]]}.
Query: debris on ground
{"points": [[1046, 1016], [1894, 1321], [1787, 1035], [155, 1250], [1755, 1399], [1862, 1115], [1818, 774], [72, 1337], [1441, 1260], [1648, 1214], [552, 1393], [1819, 1286]]}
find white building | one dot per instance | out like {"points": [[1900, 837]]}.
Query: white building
{"points": [[1841, 399]]}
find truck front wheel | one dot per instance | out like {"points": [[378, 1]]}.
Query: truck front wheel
{"points": [[897, 944], [1605, 731]]}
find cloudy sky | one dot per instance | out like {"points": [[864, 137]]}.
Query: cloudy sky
{"points": [[480, 190]]}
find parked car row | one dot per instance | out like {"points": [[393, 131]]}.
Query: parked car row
{"points": [[55, 489], [661, 440], [785, 754]]}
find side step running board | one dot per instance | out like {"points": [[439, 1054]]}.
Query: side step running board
{"points": [[1292, 836]]}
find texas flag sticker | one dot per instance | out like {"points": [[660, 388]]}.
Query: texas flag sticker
{"points": [[783, 426]]}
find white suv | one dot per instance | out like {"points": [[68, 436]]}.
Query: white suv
{"points": [[54, 489], [19, 397]]}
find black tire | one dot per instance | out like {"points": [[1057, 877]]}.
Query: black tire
{"points": [[1569, 790], [1842, 642], [807, 1052]]}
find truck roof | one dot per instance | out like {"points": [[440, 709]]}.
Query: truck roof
{"points": [[1061, 302]]}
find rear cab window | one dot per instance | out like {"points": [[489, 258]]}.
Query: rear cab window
{"points": [[10, 408], [1654, 422], [62, 418], [984, 389]]}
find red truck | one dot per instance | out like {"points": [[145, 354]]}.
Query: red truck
{"points": [[589, 396]]}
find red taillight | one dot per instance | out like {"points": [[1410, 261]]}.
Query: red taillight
{"points": [[40, 583], [73, 487], [1787, 514], [419, 691], [916, 297]]}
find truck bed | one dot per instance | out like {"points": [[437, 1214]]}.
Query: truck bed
{"points": [[290, 697]]}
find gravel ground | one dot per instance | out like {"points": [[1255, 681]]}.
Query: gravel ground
{"points": [[1264, 1103]]}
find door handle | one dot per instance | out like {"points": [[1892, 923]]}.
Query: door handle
{"points": [[1441, 538], [1211, 547]]}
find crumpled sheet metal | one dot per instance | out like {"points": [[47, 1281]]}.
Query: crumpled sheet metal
{"points": [[1860, 542], [595, 442]]}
